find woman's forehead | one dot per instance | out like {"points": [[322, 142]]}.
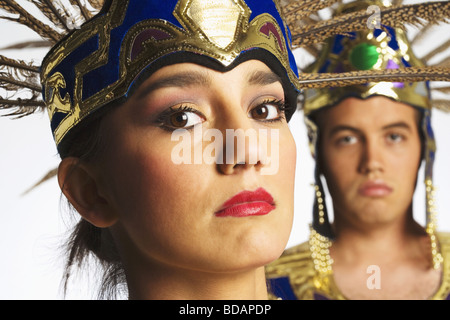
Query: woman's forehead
{"points": [[252, 72], [247, 68]]}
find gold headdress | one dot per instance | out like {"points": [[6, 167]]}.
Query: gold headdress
{"points": [[378, 48], [100, 49]]}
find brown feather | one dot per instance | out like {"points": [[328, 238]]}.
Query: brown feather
{"points": [[96, 4], [7, 81], [52, 173], [445, 89], [17, 76], [23, 103], [297, 10], [395, 17], [50, 11], [84, 11], [28, 20], [29, 44], [4, 61], [443, 63], [412, 74], [5, 6], [440, 104], [436, 51], [21, 107], [421, 33]]}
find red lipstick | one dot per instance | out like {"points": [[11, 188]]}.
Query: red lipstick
{"points": [[375, 189], [247, 203]]}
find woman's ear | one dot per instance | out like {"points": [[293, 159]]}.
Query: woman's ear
{"points": [[80, 186]]}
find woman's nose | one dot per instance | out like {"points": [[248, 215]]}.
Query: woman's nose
{"points": [[244, 145]]}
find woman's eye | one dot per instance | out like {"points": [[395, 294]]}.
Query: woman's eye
{"points": [[185, 119], [181, 118], [268, 111]]}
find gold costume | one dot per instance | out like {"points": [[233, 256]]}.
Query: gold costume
{"points": [[305, 271], [295, 275]]}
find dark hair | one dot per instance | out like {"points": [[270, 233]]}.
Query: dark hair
{"points": [[86, 142]]}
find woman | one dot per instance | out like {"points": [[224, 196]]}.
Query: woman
{"points": [[116, 89], [131, 86], [189, 230]]}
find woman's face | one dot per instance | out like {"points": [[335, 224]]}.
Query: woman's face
{"points": [[370, 153], [171, 200]]}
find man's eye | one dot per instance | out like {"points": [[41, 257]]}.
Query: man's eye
{"points": [[394, 137], [347, 140]]}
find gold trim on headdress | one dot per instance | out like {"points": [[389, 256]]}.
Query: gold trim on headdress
{"points": [[307, 29], [150, 39]]}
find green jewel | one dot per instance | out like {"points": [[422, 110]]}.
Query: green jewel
{"points": [[364, 56]]}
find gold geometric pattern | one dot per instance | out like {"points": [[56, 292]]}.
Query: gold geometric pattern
{"points": [[219, 28]]}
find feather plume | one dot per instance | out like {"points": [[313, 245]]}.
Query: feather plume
{"points": [[96, 4], [436, 51], [422, 33], [18, 64], [21, 107], [10, 83], [444, 63], [84, 11], [28, 20], [52, 173], [57, 17], [29, 44], [442, 105], [411, 74], [298, 10], [17, 78], [395, 17], [445, 89]]}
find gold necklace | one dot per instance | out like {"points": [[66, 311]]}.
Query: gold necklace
{"points": [[437, 258], [320, 251]]}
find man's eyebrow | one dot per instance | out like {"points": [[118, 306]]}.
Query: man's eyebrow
{"points": [[263, 78], [339, 128], [399, 124], [179, 80]]}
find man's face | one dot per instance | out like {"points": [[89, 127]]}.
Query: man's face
{"points": [[370, 153]]}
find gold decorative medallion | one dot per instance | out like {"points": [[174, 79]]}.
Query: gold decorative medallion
{"points": [[219, 21]]}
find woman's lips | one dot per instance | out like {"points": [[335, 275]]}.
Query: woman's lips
{"points": [[375, 189], [247, 203]]}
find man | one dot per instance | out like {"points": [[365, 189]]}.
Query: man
{"points": [[368, 142]]}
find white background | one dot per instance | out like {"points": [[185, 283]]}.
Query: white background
{"points": [[33, 226]]}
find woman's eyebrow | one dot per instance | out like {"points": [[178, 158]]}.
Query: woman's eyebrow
{"points": [[179, 80], [263, 78]]}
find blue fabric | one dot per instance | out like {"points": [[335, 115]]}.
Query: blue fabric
{"points": [[137, 11], [281, 288]]}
